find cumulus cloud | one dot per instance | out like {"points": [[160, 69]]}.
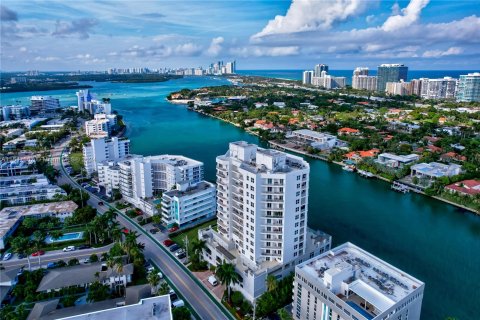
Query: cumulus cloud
{"points": [[7, 14], [81, 27], [46, 59], [258, 51], [452, 51], [188, 49], [308, 15], [406, 17], [215, 46]]}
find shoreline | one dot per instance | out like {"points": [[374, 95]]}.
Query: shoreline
{"points": [[322, 159]]}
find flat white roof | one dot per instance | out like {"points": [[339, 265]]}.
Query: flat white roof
{"points": [[372, 295]]}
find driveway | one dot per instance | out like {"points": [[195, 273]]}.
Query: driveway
{"points": [[218, 290]]}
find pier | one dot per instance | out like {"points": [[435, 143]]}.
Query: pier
{"points": [[400, 187]]}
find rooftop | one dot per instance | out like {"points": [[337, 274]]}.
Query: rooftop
{"points": [[203, 185], [374, 280], [313, 134]]}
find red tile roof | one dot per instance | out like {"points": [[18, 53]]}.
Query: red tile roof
{"points": [[470, 187]]}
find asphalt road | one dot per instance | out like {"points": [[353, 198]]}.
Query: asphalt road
{"points": [[184, 284]]}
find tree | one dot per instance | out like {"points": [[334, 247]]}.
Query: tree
{"points": [[97, 292], [181, 313], [272, 283], [227, 275], [164, 289], [73, 262], [198, 246], [93, 258], [56, 234], [21, 245], [84, 215], [38, 241], [154, 280], [156, 219]]}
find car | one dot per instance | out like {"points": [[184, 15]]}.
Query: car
{"points": [[69, 248], [174, 248], [38, 253], [7, 256], [150, 268], [213, 281], [160, 275], [182, 255], [179, 252], [154, 230], [84, 246], [100, 203], [51, 265], [21, 256], [168, 243], [177, 304], [125, 230], [173, 229], [86, 260]]}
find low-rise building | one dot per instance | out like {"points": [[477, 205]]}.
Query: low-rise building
{"points": [[350, 283], [188, 204], [11, 217], [318, 140], [434, 170], [465, 187], [357, 156], [396, 161], [17, 167], [348, 132]]}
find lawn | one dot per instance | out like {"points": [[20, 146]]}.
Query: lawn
{"points": [[192, 234], [76, 161]]}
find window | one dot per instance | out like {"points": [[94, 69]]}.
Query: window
{"points": [[298, 178]]}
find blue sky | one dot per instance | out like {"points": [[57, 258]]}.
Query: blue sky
{"points": [[95, 35]]}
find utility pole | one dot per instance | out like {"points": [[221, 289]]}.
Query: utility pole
{"points": [[186, 245]]}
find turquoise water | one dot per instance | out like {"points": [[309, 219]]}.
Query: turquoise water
{"points": [[433, 241], [65, 237]]}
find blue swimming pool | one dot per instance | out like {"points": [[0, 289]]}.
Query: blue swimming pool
{"points": [[66, 237]]}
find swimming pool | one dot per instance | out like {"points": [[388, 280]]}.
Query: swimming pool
{"points": [[66, 237]]}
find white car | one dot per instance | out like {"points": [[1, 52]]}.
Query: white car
{"points": [[7, 256], [69, 248]]}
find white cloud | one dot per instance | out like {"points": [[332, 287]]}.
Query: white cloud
{"points": [[22, 49], [215, 46], [46, 58], [452, 51], [407, 17], [257, 51], [188, 49], [308, 15]]}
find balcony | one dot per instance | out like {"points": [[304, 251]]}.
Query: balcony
{"points": [[272, 231]]}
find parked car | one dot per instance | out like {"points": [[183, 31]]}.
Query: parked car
{"points": [[51, 265], [179, 252], [21, 256], [100, 203], [150, 268], [178, 303], [69, 248], [7, 256], [168, 242], [174, 248], [173, 229], [154, 230], [182, 255], [86, 260], [38, 253], [125, 230], [84, 246], [212, 280], [160, 275]]}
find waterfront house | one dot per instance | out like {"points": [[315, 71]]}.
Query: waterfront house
{"points": [[263, 124], [318, 140], [452, 157], [348, 132], [434, 170], [396, 161], [357, 156], [465, 187]]}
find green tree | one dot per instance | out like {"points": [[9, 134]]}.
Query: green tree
{"points": [[181, 313], [21, 245], [97, 292], [154, 280], [56, 234], [93, 258], [227, 275], [73, 262], [38, 241], [272, 283]]}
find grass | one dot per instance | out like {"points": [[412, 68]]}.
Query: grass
{"points": [[192, 234], [76, 161]]}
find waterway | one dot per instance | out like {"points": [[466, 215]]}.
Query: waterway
{"points": [[433, 241]]}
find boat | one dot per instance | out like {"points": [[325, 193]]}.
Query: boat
{"points": [[365, 174], [348, 168]]}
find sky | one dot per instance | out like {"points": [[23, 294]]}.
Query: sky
{"points": [[52, 35]]}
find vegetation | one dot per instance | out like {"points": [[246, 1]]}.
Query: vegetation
{"points": [[181, 313], [98, 292], [272, 300], [227, 276], [76, 161]]}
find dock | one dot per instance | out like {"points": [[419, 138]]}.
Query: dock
{"points": [[400, 187], [365, 174]]}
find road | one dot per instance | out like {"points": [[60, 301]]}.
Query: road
{"points": [[203, 305]]}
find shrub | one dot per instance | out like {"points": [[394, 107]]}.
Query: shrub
{"points": [[237, 298]]}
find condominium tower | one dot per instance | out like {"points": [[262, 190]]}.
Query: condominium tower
{"points": [[319, 68], [102, 149], [43, 104], [390, 73], [349, 283], [469, 87]]}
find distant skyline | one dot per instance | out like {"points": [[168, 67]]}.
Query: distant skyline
{"points": [[96, 35]]}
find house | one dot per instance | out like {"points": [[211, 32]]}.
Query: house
{"points": [[8, 279], [434, 149], [263, 124], [280, 105], [348, 132], [434, 170], [84, 275], [357, 156], [318, 140], [452, 157], [260, 104], [465, 187], [431, 140], [396, 161]]}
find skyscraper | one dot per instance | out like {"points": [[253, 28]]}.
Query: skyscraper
{"points": [[469, 87], [307, 77], [362, 81], [360, 71], [390, 73], [319, 68]]}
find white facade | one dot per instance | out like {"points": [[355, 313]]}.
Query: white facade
{"points": [[318, 140], [328, 82], [469, 87], [188, 204], [364, 82], [400, 88], [439, 88], [108, 176], [396, 161], [262, 203], [99, 150], [101, 125], [142, 178], [307, 77], [42, 104], [349, 283]]}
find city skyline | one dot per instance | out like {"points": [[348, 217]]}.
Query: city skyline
{"points": [[422, 34]]}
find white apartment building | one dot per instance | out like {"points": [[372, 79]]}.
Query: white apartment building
{"points": [[307, 77], [318, 140], [400, 88], [469, 87], [349, 283], [262, 204], [43, 104], [101, 126], [15, 112], [189, 204], [108, 176], [102, 149], [329, 82], [444, 88], [364, 82], [142, 178]]}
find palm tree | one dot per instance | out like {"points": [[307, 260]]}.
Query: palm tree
{"points": [[272, 283], [130, 243], [154, 280], [227, 275], [56, 234], [198, 246], [21, 245], [38, 242]]}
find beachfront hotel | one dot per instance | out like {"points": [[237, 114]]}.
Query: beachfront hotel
{"points": [[347, 283], [262, 204]]}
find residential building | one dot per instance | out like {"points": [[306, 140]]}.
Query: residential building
{"points": [[348, 132], [84, 97], [43, 104], [439, 88], [434, 170], [360, 71], [307, 77], [466, 187], [358, 156], [318, 140], [419, 87], [364, 82], [188, 204], [348, 282], [262, 204], [11, 217], [84, 275], [109, 175], [390, 73], [328, 82], [11, 181], [17, 167], [143, 178], [101, 126], [400, 88], [319, 68], [102, 149], [15, 112], [230, 67], [469, 87], [396, 161]]}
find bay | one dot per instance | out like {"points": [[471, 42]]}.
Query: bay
{"points": [[433, 241]]}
